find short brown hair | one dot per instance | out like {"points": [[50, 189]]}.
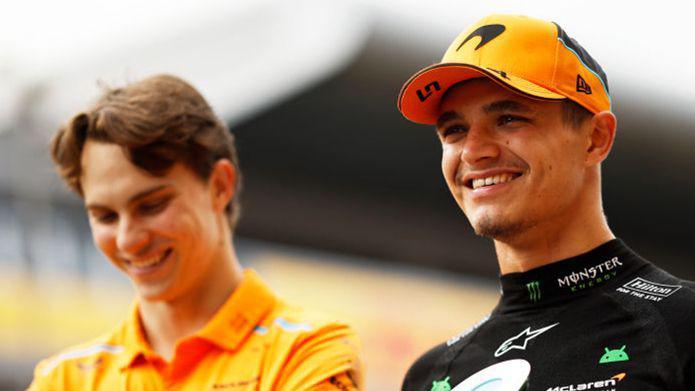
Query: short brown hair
{"points": [[574, 114], [158, 121]]}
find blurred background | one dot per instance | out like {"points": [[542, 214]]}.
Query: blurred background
{"points": [[342, 195]]}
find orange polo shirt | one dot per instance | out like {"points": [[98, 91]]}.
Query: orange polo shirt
{"points": [[254, 342]]}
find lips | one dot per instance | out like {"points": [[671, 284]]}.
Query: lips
{"points": [[489, 178], [492, 180], [148, 265]]}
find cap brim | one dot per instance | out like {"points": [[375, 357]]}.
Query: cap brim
{"points": [[421, 95]]}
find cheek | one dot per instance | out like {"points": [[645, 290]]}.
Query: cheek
{"points": [[184, 221], [450, 163], [559, 173], [104, 237], [171, 222]]}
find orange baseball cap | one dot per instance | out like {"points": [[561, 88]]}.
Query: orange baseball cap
{"points": [[529, 56]]}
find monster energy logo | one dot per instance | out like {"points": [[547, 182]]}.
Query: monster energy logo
{"points": [[534, 291], [590, 276]]}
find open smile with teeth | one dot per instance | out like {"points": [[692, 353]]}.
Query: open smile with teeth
{"points": [[150, 262], [492, 180]]}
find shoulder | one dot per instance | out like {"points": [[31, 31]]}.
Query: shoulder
{"points": [[674, 299], [76, 365], [662, 302], [420, 371], [667, 294], [297, 323], [314, 345]]}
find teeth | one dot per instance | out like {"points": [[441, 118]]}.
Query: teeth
{"points": [[149, 261], [491, 180]]}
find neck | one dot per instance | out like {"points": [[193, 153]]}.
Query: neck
{"points": [[581, 229], [166, 322]]}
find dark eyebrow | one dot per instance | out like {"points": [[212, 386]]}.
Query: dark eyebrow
{"points": [[506, 105], [446, 117], [134, 198]]}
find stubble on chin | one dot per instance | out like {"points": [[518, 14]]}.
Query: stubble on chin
{"points": [[500, 229]]}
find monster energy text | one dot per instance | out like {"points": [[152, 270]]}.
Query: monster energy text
{"points": [[590, 276], [534, 291]]}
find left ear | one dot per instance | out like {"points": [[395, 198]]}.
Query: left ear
{"points": [[600, 138], [222, 181]]}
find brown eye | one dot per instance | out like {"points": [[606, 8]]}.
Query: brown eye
{"points": [[509, 119], [454, 130], [154, 207], [108, 217]]}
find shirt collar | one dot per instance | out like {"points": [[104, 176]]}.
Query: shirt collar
{"points": [[245, 309], [133, 336], [570, 278]]}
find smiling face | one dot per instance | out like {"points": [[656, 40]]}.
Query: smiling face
{"points": [[163, 232], [511, 163]]}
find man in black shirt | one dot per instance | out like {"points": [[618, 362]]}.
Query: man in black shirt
{"points": [[523, 115]]}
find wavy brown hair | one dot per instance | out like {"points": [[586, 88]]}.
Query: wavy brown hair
{"points": [[158, 121]]}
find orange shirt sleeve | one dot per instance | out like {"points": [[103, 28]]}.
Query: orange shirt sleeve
{"points": [[325, 359], [49, 380]]}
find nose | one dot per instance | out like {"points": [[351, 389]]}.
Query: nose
{"points": [[480, 146], [132, 238]]}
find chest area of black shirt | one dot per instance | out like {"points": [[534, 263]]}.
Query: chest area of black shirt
{"points": [[566, 352]]}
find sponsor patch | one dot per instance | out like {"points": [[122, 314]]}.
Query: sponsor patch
{"points": [[648, 290], [590, 276], [520, 341], [505, 375], [598, 385], [469, 330]]}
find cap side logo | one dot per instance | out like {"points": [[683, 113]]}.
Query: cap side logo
{"points": [[486, 33], [583, 86], [584, 56]]}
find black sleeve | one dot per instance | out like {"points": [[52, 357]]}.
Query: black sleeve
{"points": [[422, 369], [679, 310], [687, 330]]}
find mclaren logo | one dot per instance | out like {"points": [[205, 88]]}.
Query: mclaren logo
{"points": [[598, 385], [486, 33]]}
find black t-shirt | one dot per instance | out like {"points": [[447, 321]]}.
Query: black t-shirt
{"points": [[604, 320]]}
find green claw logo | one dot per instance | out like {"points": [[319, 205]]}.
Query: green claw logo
{"points": [[442, 385], [614, 355], [534, 291]]}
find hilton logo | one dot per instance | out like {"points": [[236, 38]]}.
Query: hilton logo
{"points": [[648, 290]]}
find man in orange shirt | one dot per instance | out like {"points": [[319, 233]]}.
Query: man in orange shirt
{"points": [[159, 176]]}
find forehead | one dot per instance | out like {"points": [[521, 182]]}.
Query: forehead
{"points": [[109, 177], [482, 92]]}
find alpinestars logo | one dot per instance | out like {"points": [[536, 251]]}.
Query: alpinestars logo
{"points": [[520, 340], [590, 276], [598, 385], [486, 33]]}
